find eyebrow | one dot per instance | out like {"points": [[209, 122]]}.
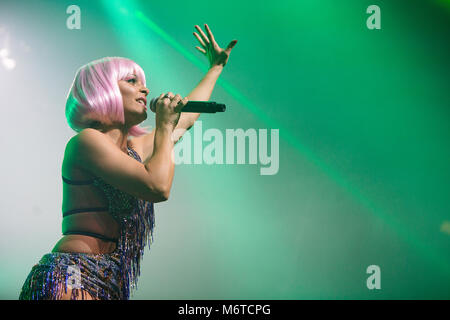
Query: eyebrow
{"points": [[132, 74]]}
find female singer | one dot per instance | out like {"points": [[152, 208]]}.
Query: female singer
{"points": [[113, 172]]}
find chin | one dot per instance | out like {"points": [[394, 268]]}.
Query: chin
{"points": [[143, 116]]}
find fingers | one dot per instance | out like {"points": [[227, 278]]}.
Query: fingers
{"points": [[181, 104], [204, 37], [210, 35], [168, 95], [164, 99], [154, 101], [231, 45], [199, 39], [176, 101], [200, 49]]}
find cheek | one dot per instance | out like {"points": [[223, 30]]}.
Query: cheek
{"points": [[127, 94]]}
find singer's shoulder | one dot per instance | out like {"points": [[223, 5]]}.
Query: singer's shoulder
{"points": [[91, 142], [92, 138], [88, 139], [76, 150], [88, 135]]}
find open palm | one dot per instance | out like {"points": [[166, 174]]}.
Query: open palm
{"points": [[210, 48]]}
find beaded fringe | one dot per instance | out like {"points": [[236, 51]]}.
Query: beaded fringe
{"points": [[137, 231], [103, 276], [51, 278]]}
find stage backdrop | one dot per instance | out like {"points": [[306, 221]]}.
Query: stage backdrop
{"points": [[343, 188]]}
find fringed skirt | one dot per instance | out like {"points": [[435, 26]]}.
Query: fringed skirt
{"points": [[100, 275], [108, 276]]}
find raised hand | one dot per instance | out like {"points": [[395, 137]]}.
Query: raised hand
{"points": [[210, 48]]}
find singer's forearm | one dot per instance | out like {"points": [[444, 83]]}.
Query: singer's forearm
{"points": [[161, 165], [202, 92]]}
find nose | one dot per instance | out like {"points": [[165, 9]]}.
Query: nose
{"points": [[145, 91]]}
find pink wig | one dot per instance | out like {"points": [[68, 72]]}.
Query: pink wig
{"points": [[95, 97]]}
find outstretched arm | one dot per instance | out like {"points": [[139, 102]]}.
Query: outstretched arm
{"points": [[202, 92], [217, 58]]}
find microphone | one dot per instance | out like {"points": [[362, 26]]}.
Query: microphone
{"points": [[196, 106]]}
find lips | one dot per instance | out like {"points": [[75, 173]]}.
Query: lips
{"points": [[142, 101]]}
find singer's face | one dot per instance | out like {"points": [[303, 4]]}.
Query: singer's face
{"points": [[133, 91]]}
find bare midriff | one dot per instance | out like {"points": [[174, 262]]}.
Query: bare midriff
{"points": [[77, 243], [100, 223]]}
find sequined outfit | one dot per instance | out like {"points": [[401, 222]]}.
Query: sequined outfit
{"points": [[104, 276]]}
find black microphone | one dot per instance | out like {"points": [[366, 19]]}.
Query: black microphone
{"points": [[196, 106]]}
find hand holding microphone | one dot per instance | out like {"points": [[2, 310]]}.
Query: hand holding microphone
{"points": [[192, 106], [167, 108]]}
